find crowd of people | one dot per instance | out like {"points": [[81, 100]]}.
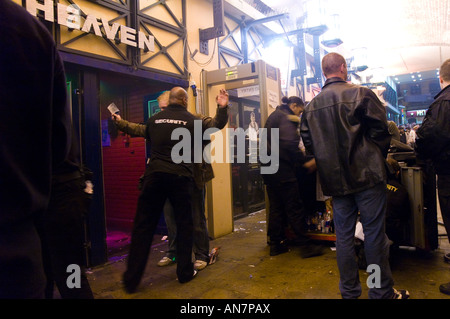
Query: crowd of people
{"points": [[40, 229]]}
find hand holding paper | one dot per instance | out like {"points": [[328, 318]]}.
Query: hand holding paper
{"points": [[113, 108]]}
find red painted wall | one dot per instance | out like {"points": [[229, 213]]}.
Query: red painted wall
{"points": [[123, 162]]}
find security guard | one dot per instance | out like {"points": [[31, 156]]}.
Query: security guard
{"points": [[169, 174]]}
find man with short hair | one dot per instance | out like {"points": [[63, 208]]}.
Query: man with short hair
{"points": [[433, 143], [345, 128], [285, 204]]}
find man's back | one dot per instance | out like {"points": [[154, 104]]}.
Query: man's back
{"points": [[287, 143], [164, 155], [34, 135], [433, 136], [34, 131], [345, 128]]}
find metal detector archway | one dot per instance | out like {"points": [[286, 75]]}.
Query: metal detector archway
{"points": [[237, 189]]}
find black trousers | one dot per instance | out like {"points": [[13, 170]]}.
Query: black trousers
{"points": [[157, 187], [443, 185], [21, 269], [63, 237], [286, 208]]}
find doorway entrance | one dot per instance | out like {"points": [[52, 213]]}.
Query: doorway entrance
{"points": [[247, 183], [124, 156]]}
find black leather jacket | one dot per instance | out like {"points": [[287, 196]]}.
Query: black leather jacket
{"points": [[346, 130], [433, 136]]}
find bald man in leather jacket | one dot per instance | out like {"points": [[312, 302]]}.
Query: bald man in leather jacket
{"points": [[345, 128]]}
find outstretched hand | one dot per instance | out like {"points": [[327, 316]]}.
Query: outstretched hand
{"points": [[222, 98]]}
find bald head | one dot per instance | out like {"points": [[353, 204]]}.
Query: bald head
{"points": [[334, 65], [178, 95]]}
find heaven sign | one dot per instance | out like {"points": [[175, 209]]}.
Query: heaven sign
{"points": [[70, 16]]}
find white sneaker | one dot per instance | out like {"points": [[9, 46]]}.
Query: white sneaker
{"points": [[165, 261], [200, 264]]}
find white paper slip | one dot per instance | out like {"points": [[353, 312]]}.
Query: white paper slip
{"points": [[113, 108]]}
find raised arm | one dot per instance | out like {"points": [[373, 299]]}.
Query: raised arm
{"points": [[133, 129]]}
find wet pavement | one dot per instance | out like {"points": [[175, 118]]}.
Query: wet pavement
{"points": [[245, 270]]}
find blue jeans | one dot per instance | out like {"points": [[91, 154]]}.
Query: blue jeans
{"points": [[371, 204]]}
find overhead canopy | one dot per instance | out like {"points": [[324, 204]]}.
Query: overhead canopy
{"points": [[396, 37]]}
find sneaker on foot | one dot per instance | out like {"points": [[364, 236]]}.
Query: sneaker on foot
{"points": [[400, 294], [213, 255], [445, 288], [165, 261], [200, 264]]}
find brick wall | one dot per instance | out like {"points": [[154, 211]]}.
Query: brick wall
{"points": [[123, 163]]}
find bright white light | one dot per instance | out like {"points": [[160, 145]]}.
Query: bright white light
{"points": [[277, 54]]}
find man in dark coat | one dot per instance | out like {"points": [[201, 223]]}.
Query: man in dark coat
{"points": [[285, 204], [346, 130], [203, 173], [34, 137], [433, 143], [169, 175]]}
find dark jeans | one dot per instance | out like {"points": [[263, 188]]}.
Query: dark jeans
{"points": [[371, 204], [63, 238], [201, 236], [286, 207], [159, 186], [443, 185]]}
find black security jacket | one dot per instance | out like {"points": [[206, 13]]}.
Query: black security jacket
{"points": [[346, 130], [433, 136], [159, 130]]}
